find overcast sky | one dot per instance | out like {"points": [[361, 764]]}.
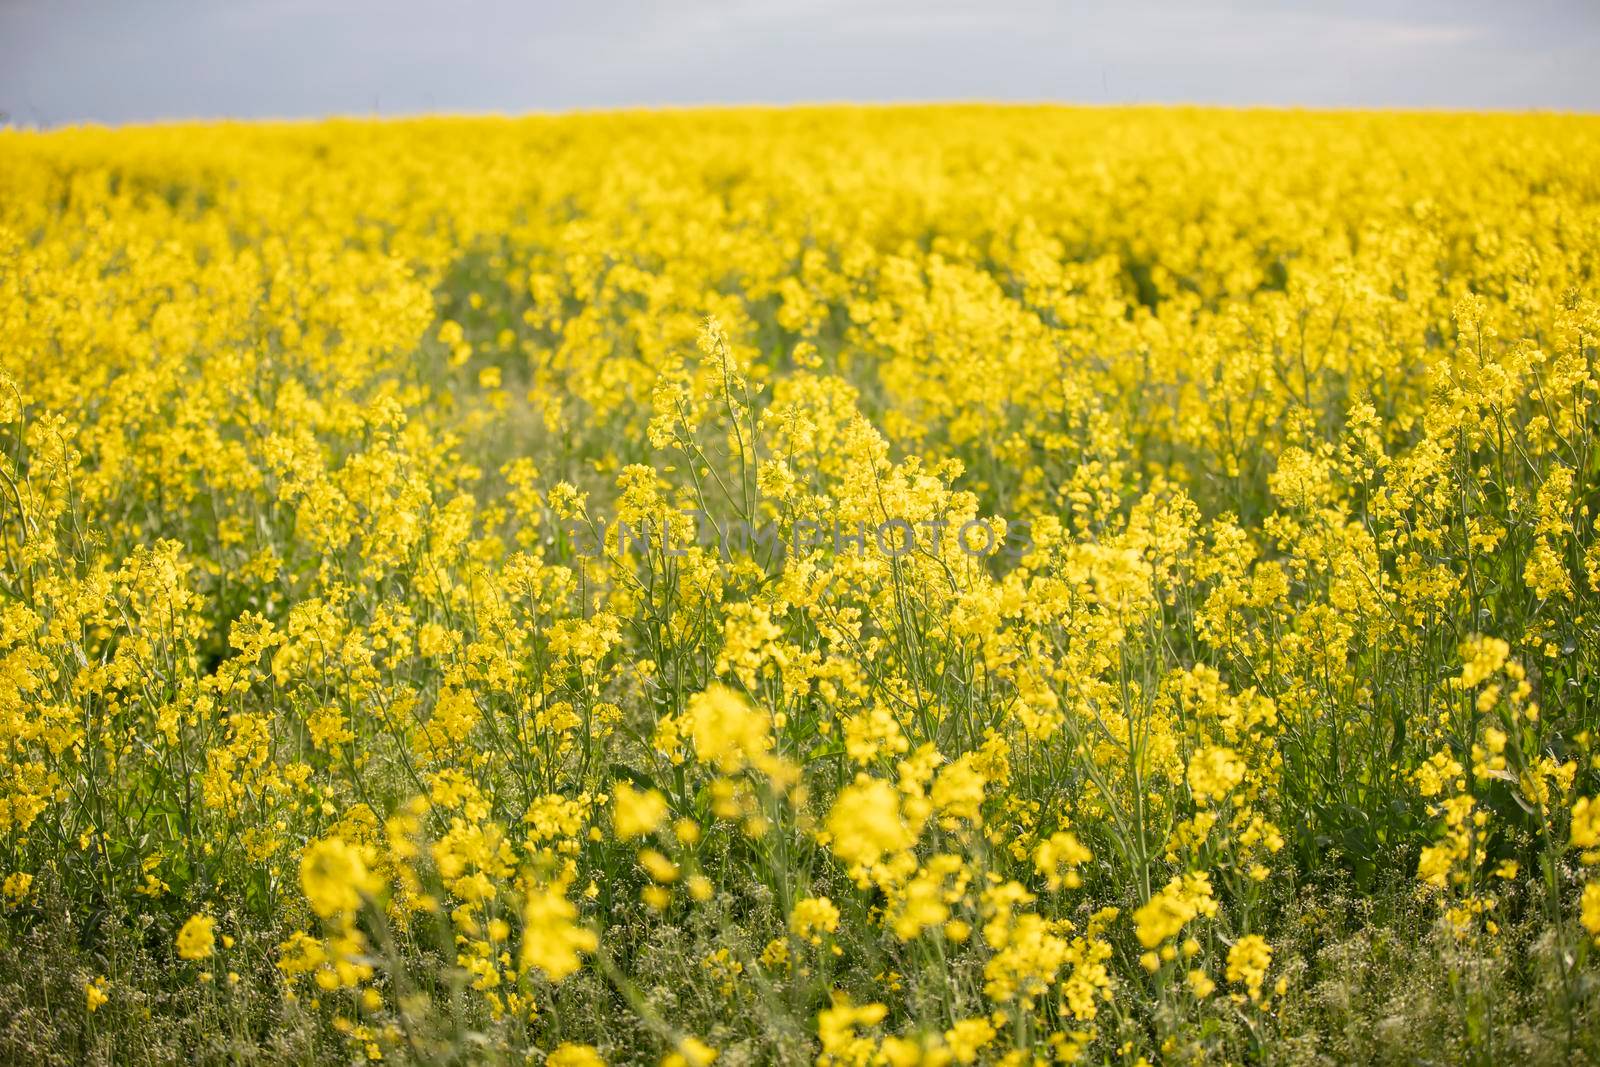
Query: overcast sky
{"points": [[127, 61]]}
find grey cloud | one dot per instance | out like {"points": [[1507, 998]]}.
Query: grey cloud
{"points": [[125, 62]]}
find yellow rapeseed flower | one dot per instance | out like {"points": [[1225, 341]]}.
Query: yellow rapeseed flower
{"points": [[196, 941]]}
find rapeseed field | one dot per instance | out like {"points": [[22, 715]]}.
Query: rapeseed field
{"points": [[928, 585]]}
